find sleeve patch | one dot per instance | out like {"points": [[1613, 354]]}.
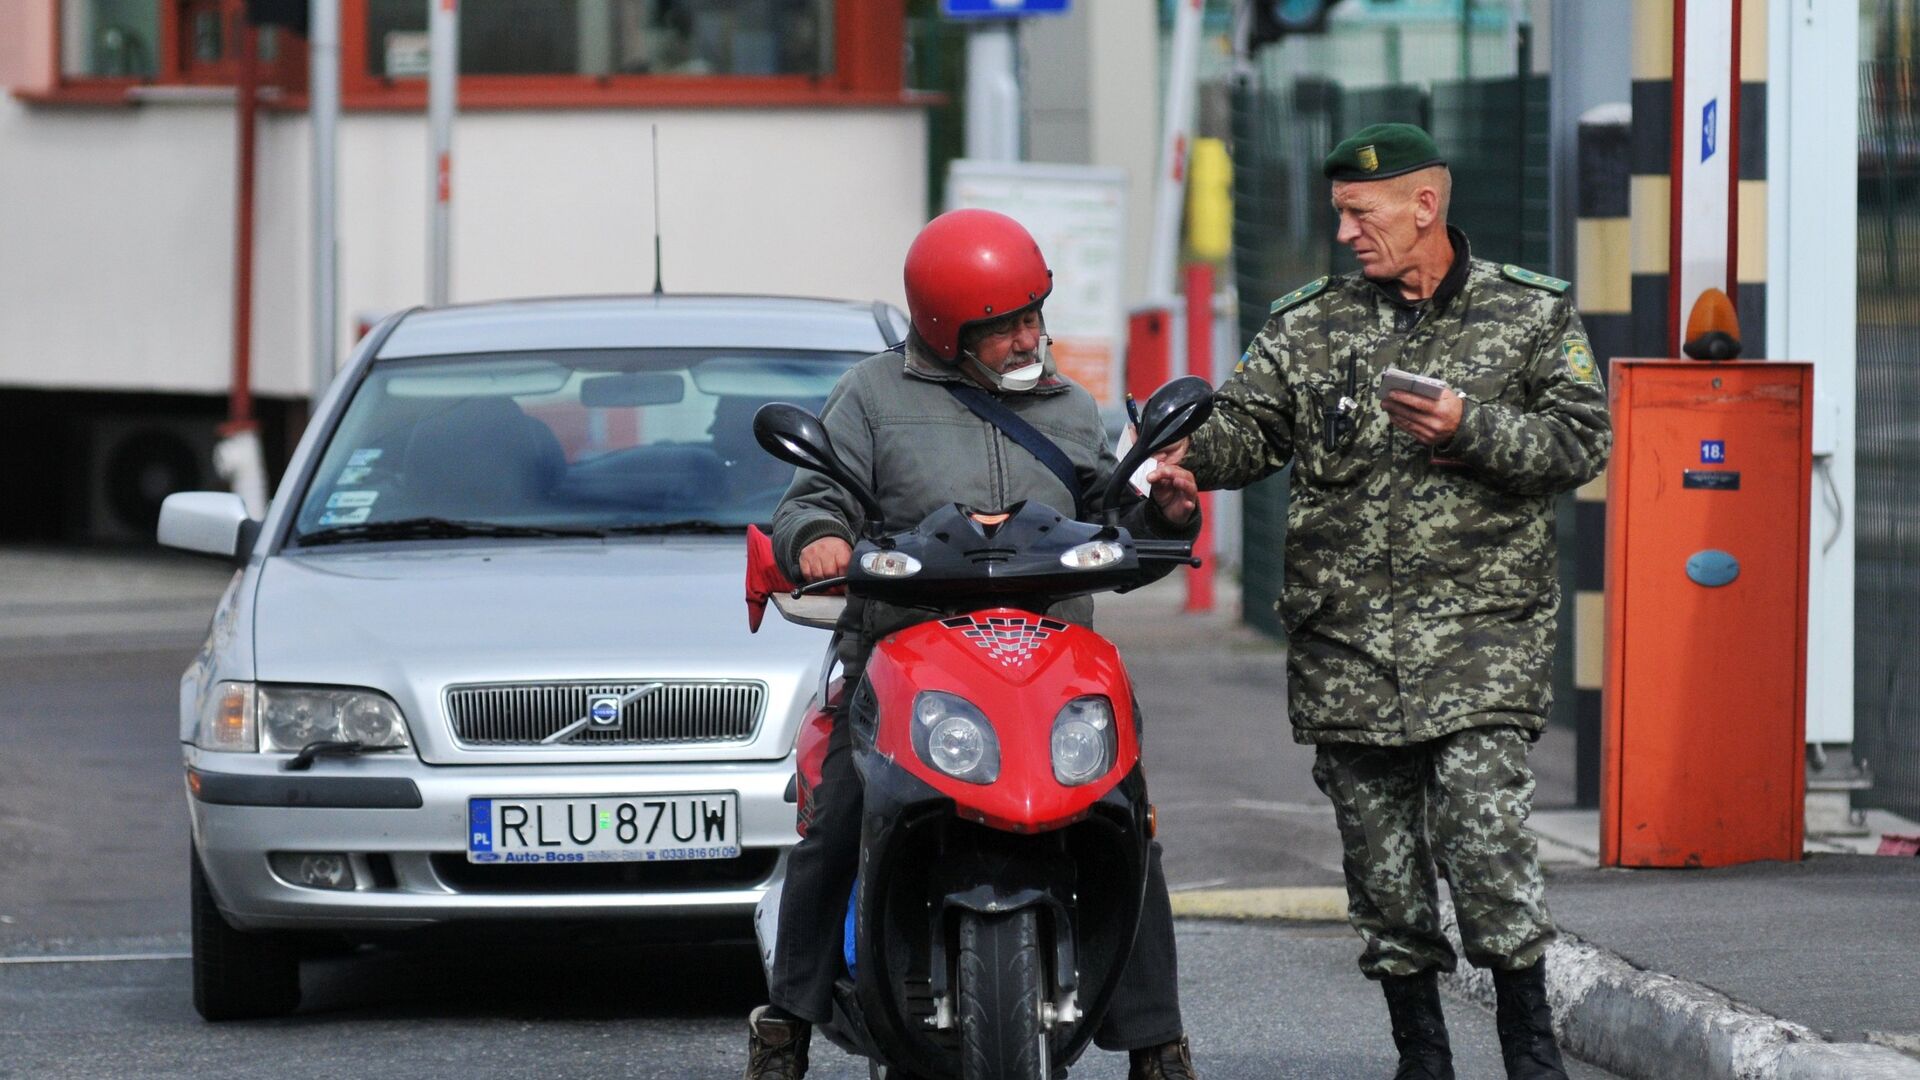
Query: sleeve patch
{"points": [[1580, 361], [1305, 292], [1539, 281], [1242, 365]]}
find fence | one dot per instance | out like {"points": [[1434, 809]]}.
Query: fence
{"points": [[1887, 493], [1494, 134]]}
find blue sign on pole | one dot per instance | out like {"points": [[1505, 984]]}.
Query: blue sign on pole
{"points": [[1709, 128], [1001, 9]]}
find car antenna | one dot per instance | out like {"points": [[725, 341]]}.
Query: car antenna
{"points": [[657, 289]]}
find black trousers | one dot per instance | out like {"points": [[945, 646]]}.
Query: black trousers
{"points": [[807, 955]]}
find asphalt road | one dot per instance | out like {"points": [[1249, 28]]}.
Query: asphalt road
{"points": [[93, 850]]}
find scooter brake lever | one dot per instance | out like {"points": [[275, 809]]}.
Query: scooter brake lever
{"points": [[822, 585]]}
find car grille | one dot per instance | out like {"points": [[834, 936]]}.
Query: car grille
{"points": [[652, 713]]}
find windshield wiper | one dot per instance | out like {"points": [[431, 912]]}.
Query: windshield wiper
{"points": [[432, 528], [651, 528]]}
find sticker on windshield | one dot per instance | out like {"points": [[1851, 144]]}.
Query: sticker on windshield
{"points": [[346, 517], [350, 500], [352, 475], [364, 457]]}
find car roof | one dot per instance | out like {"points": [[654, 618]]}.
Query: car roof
{"points": [[656, 321]]}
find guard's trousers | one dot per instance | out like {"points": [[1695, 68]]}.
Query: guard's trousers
{"points": [[1460, 801], [808, 952]]}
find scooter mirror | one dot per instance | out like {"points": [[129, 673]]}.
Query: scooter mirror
{"points": [[1175, 411], [1172, 413], [797, 437]]}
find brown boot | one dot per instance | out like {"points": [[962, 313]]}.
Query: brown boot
{"points": [[1168, 1061], [776, 1049]]}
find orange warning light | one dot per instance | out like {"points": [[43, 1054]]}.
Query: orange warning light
{"points": [[1713, 328]]}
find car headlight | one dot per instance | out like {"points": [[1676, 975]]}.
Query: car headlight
{"points": [[1084, 743], [889, 564], [292, 717], [951, 734], [246, 717], [1092, 555]]}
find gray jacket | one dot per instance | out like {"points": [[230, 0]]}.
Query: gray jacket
{"points": [[895, 426]]}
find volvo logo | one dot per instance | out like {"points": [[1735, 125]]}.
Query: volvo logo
{"points": [[604, 711]]}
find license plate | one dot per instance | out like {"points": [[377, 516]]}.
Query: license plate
{"points": [[606, 828]]}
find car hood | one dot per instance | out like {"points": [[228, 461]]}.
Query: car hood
{"points": [[412, 619]]}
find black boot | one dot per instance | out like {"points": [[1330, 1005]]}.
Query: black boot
{"points": [[1419, 1028], [1168, 1061], [776, 1049], [1526, 1024]]}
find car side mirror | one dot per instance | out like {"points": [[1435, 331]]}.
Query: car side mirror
{"points": [[797, 437], [208, 523], [1174, 411]]}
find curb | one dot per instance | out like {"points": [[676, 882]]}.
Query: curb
{"points": [[1641, 1024], [1302, 904]]}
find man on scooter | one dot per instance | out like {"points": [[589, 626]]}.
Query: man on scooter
{"points": [[975, 283]]}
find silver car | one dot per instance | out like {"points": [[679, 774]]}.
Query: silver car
{"points": [[487, 658]]}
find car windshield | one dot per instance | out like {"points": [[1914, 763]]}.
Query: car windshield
{"points": [[588, 442]]}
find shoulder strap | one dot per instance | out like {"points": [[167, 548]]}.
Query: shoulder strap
{"points": [[983, 405]]}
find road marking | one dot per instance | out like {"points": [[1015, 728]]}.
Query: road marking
{"points": [[1295, 904], [102, 958]]}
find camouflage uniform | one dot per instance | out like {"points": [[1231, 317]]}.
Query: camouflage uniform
{"points": [[1420, 596]]}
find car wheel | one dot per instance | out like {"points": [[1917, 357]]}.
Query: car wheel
{"points": [[238, 975]]}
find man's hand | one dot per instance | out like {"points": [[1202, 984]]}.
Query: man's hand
{"points": [[1175, 490], [824, 558], [1430, 420], [1173, 454]]}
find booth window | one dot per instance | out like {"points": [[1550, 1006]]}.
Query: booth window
{"points": [[513, 53], [610, 37], [109, 39]]}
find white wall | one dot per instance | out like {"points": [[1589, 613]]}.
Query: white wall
{"points": [[1813, 134], [116, 225]]}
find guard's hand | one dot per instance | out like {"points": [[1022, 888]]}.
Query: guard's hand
{"points": [[1173, 454], [1175, 490], [1430, 420], [824, 558]]}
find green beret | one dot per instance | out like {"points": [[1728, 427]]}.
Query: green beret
{"points": [[1382, 150]]}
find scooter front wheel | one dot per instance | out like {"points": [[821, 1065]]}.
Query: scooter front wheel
{"points": [[1002, 991]]}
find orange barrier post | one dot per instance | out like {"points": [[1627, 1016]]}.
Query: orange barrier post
{"points": [[1704, 700]]}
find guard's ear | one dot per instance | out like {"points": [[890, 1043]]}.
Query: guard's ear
{"points": [[1426, 205]]}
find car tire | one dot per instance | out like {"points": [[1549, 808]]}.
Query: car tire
{"points": [[238, 975]]}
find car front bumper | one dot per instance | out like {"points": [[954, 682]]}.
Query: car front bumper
{"points": [[403, 825]]}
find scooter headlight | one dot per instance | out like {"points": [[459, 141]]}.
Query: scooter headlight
{"points": [[1092, 555], [951, 734], [1084, 743], [889, 564]]}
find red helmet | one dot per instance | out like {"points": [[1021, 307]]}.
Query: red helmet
{"points": [[970, 265]]}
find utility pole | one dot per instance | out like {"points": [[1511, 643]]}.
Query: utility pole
{"points": [[993, 90], [443, 83], [323, 56]]}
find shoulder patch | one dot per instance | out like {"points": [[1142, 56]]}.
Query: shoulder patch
{"points": [[1539, 281], [1580, 361], [1299, 295]]}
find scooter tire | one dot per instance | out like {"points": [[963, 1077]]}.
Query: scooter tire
{"points": [[1002, 988]]}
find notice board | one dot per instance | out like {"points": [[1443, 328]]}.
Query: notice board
{"points": [[1078, 214]]}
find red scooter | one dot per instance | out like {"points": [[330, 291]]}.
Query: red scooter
{"points": [[1004, 843]]}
